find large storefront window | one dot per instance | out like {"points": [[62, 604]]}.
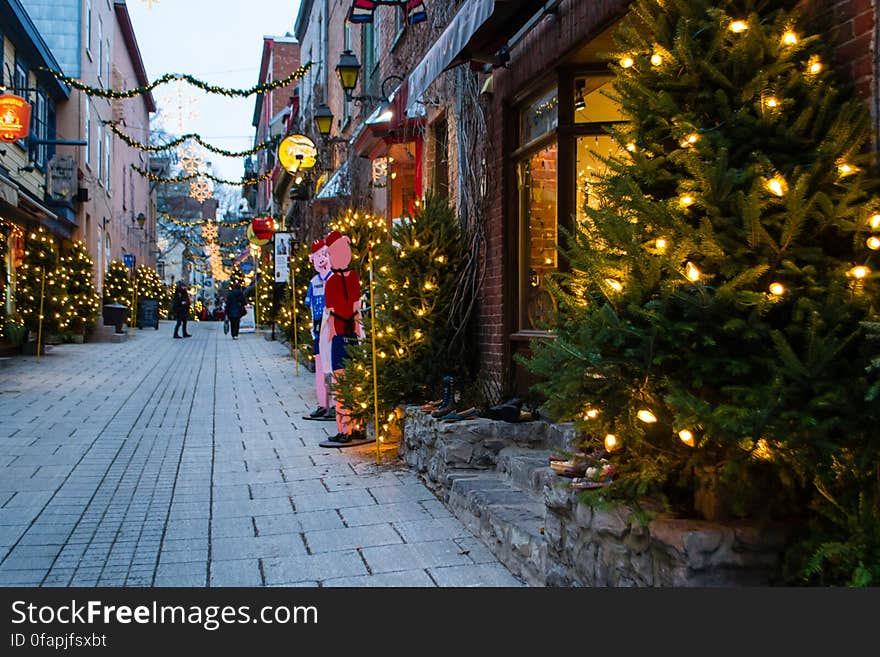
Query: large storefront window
{"points": [[539, 211], [563, 138]]}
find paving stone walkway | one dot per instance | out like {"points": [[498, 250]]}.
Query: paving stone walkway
{"points": [[161, 462]]}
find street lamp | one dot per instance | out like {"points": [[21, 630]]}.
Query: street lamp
{"points": [[141, 219], [324, 120], [347, 70]]}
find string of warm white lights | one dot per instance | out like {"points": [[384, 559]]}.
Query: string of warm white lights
{"points": [[244, 182], [269, 143], [169, 77]]}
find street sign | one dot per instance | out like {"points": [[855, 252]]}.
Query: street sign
{"points": [[283, 251], [128, 259]]}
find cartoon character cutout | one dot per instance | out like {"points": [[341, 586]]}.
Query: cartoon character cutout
{"points": [[315, 301], [342, 323]]}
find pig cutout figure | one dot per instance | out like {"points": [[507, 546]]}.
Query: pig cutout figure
{"points": [[341, 325]]}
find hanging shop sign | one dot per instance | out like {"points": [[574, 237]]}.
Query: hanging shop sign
{"points": [[263, 227], [62, 183], [258, 238], [362, 10], [15, 118], [283, 250], [297, 152]]}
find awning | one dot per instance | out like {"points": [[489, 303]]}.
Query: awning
{"points": [[337, 186], [391, 122], [477, 32]]}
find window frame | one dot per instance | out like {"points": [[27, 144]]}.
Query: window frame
{"points": [[20, 84], [89, 28]]}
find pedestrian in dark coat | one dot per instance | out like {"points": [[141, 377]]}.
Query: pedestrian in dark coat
{"points": [[235, 309], [180, 307]]}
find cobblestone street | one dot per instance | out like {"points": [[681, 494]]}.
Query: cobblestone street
{"points": [[160, 462]]}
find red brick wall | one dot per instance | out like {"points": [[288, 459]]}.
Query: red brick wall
{"points": [[856, 23], [285, 61]]}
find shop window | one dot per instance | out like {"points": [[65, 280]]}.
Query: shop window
{"points": [[538, 186], [41, 130], [592, 103], [540, 117], [20, 83], [441, 158], [592, 151]]}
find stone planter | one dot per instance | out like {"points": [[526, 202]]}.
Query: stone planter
{"points": [[30, 349], [77, 338]]}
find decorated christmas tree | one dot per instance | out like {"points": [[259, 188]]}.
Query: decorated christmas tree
{"points": [[37, 278], [83, 301], [415, 283], [266, 306], [117, 285], [711, 325], [236, 277], [364, 229], [302, 274]]}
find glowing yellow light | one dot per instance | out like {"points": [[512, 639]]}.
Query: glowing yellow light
{"points": [[647, 416], [627, 62], [777, 185], [591, 414], [687, 200], [772, 102], [661, 244], [777, 289], [762, 450], [610, 442], [686, 437], [790, 38], [429, 285], [874, 243], [739, 26], [420, 312], [846, 169], [859, 272], [814, 66], [692, 273], [631, 147], [656, 59], [617, 286], [875, 222]]}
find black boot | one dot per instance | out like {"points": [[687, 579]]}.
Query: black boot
{"points": [[448, 398]]}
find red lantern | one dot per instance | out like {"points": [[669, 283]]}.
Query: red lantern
{"points": [[263, 227], [15, 118]]}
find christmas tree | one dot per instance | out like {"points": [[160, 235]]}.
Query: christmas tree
{"points": [[4, 241], [415, 284], [364, 229], [117, 285], [82, 297], [712, 317], [38, 285], [266, 306], [236, 277], [302, 274]]}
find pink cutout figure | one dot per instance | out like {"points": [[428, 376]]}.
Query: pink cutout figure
{"points": [[315, 301]]}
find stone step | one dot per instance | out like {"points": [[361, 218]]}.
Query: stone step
{"points": [[525, 467], [509, 520]]}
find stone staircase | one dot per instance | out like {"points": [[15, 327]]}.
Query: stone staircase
{"points": [[495, 477]]}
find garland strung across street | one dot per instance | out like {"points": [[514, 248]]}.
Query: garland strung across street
{"points": [[201, 245], [202, 222], [244, 182], [269, 143], [169, 77]]}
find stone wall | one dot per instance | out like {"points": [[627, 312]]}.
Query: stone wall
{"points": [[494, 477]]}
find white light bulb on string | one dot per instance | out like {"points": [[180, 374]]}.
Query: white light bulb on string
{"points": [[777, 289], [790, 38], [693, 274], [686, 201], [646, 416], [687, 437], [860, 272], [874, 243], [777, 186], [610, 442], [617, 286], [739, 27], [656, 59], [627, 62], [660, 244]]}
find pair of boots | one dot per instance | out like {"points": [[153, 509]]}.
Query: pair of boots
{"points": [[444, 406]]}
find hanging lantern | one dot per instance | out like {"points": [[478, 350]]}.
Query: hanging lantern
{"points": [[262, 228], [324, 120], [15, 118]]}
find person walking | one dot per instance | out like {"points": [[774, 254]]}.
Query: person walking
{"points": [[235, 309], [180, 306]]}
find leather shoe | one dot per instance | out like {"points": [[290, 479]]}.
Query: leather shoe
{"points": [[187, 335]]}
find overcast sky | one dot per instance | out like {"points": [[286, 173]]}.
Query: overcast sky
{"points": [[220, 42]]}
